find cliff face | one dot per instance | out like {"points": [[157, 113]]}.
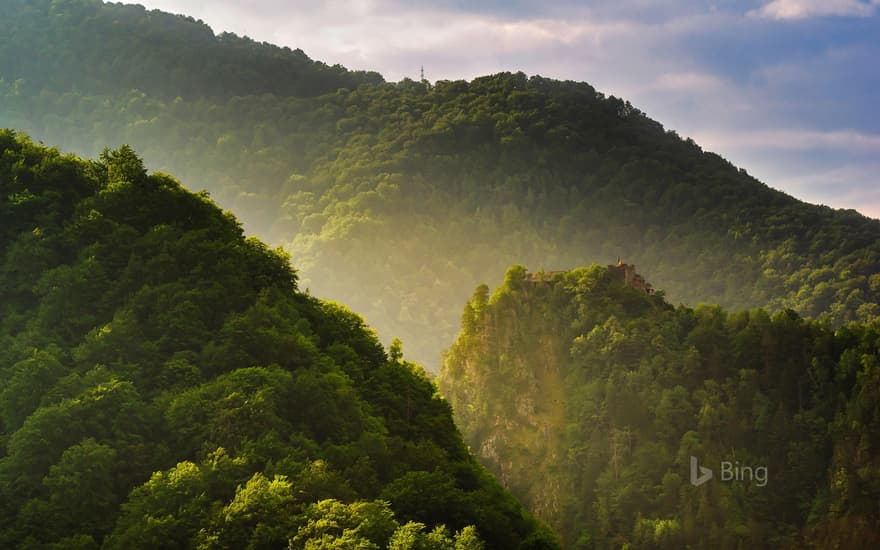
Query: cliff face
{"points": [[505, 378], [521, 433], [588, 396]]}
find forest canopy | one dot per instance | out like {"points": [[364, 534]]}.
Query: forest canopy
{"points": [[588, 398], [164, 383]]}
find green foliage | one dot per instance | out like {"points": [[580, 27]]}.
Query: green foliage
{"points": [[82, 490], [412, 536], [332, 524], [397, 199], [588, 399], [165, 512], [165, 385], [259, 516]]}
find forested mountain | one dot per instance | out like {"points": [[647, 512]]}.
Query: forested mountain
{"points": [[399, 198], [165, 384], [588, 399], [91, 47]]}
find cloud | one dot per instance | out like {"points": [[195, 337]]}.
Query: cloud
{"points": [[467, 38], [804, 9], [689, 81], [856, 186], [396, 38], [792, 140]]}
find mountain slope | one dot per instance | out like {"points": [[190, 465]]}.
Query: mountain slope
{"points": [[164, 384], [399, 198], [588, 398], [92, 47]]}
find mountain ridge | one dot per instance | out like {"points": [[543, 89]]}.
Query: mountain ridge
{"points": [[399, 198]]}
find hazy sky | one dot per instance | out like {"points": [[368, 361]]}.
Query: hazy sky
{"points": [[786, 89]]}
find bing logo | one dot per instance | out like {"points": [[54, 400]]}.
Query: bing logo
{"points": [[730, 471]]}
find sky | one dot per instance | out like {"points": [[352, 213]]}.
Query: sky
{"points": [[786, 89]]}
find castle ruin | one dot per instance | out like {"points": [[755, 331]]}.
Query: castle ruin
{"points": [[626, 273]]}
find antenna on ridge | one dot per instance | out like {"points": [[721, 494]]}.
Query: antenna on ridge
{"points": [[423, 73]]}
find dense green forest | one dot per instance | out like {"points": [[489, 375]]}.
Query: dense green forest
{"points": [[399, 198], [165, 384], [587, 398]]}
